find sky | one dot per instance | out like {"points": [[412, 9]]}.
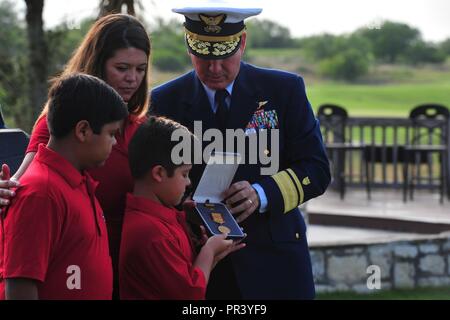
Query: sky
{"points": [[303, 18]]}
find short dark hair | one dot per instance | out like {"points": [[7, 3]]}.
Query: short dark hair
{"points": [[152, 145], [82, 97]]}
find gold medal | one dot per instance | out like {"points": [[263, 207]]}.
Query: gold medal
{"points": [[224, 229], [217, 217]]}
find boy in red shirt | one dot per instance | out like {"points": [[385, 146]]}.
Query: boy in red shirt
{"points": [[157, 260], [54, 243]]}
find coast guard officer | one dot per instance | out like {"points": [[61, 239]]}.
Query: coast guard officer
{"points": [[225, 93]]}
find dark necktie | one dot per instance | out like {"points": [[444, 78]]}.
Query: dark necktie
{"points": [[222, 109]]}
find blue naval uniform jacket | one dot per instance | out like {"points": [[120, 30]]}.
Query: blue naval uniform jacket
{"points": [[276, 263]]}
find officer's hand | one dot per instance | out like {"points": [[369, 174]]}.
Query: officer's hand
{"points": [[5, 184], [242, 199]]}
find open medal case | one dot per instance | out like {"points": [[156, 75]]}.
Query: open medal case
{"points": [[210, 210]]}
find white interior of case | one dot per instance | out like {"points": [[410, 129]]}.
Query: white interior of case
{"points": [[217, 177]]}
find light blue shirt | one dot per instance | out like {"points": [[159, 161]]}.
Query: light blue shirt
{"points": [[211, 94], [262, 197]]}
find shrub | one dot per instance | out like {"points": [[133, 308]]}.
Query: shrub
{"points": [[346, 65]]}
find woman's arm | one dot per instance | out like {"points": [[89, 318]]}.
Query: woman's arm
{"points": [[24, 166]]}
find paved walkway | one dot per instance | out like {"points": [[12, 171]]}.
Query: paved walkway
{"points": [[384, 204], [329, 236], [379, 219]]}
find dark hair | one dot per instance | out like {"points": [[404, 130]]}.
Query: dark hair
{"points": [[152, 145], [82, 97], [107, 35]]}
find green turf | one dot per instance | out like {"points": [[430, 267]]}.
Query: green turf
{"points": [[379, 100]]}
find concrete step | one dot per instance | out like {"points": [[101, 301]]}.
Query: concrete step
{"points": [[378, 223], [385, 211]]}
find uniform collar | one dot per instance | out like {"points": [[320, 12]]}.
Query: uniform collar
{"points": [[63, 167], [154, 209]]}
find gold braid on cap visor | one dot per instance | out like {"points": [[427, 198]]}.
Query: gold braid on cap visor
{"points": [[220, 45]]}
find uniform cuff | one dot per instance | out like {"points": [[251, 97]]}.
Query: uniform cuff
{"points": [[262, 197]]}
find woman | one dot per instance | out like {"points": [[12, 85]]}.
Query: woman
{"points": [[117, 50]]}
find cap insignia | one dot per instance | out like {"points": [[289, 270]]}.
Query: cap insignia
{"points": [[212, 23]]}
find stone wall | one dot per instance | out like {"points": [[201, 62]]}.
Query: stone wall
{"points": [[416, 262]]}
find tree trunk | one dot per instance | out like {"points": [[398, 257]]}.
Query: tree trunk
{"points": [[115, 6], [37, 73]]}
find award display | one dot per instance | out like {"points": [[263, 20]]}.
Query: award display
{"points": [[210, 210]]}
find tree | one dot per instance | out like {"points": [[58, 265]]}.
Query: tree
{"points": [[37, 73], [390, 40], [319, 47], [115, 6], [62, 40], [268, 34], [422, 52], [169, 52], [13, 61], [347, 65], [445, 46]]}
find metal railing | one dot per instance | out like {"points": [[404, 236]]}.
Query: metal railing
{"points": [[383, 151]]}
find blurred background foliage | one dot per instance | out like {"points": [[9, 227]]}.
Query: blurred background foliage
{"points": [[383, 53]]}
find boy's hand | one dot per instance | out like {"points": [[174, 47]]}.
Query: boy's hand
{"points": [[204, 235], [222, 247], [195, 232], [188, 205]]}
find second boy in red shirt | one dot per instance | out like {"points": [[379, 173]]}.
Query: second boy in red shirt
{"points": [[157, 260]]}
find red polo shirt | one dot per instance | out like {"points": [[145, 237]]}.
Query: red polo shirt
{"points": [[114, 177], [156, 254], [52, 233]]}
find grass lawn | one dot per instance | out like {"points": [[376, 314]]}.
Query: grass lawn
{"points": [[379, 100], [441, 293]]}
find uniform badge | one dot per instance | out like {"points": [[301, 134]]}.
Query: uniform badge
{"points": [[262, 119], [212, 23], [306, 181], [262, 104]]}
